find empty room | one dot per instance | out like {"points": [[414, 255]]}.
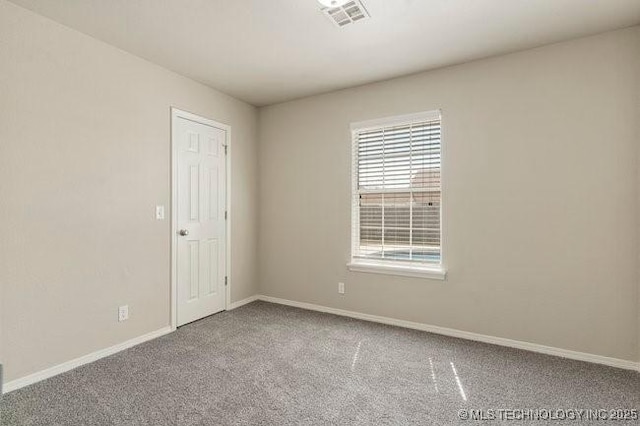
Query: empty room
{"points": [[319, 212]]}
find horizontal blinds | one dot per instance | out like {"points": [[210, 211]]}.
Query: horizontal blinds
{"points": [[397, 192]]}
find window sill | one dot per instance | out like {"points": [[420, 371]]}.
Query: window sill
{"points": [[434, 272]]}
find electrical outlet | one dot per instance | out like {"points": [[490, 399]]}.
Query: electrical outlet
{"points": [[123, 313], [160, 212], [341, 288]]}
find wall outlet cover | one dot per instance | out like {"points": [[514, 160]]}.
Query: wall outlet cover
{"points": [[123, 313]]}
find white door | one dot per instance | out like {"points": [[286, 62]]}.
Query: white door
{"points": [[201, 204]]}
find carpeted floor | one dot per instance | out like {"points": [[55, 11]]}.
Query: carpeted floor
{"points": [[265, 364]]}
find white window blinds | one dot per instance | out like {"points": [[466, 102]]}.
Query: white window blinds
{"points": [[396, 189]]}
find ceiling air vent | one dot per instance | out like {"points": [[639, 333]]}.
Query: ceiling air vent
{"points": [[351, 12]]}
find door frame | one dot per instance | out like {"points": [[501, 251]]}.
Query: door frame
{"points": [[175, 115]]}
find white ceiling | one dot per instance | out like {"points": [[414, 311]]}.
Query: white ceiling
{"points": [[268, 51]]}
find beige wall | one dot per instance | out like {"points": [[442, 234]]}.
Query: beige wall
{"points": [[84, 159], [541, 197]]}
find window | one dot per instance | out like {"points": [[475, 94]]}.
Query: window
{"points": [[396, 196]]}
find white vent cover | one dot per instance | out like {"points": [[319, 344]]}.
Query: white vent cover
{"points": [[351, 12]]}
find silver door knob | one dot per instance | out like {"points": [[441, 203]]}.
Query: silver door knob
{"points": [[183, 232]]}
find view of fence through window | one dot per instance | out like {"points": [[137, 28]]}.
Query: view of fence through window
{"points": [[398, 194]]}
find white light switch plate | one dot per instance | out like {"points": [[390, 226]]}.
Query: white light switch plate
{"points": [[160, 212]]}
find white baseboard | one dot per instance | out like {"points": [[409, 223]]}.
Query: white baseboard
{"points": [[74, 363], [94, 356], [533, 347], [242, 302]]}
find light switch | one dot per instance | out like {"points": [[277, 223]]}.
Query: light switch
{"points": [[160, 212]]}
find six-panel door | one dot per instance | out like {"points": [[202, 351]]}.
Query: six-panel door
{"points": [[201, 198]]}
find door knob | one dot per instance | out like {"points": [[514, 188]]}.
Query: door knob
{"points": [[183, 232]]}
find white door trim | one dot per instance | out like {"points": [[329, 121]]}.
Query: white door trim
{"points": [[175, 114]]}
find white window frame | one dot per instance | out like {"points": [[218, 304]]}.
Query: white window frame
{"points": [[436, 271]]}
